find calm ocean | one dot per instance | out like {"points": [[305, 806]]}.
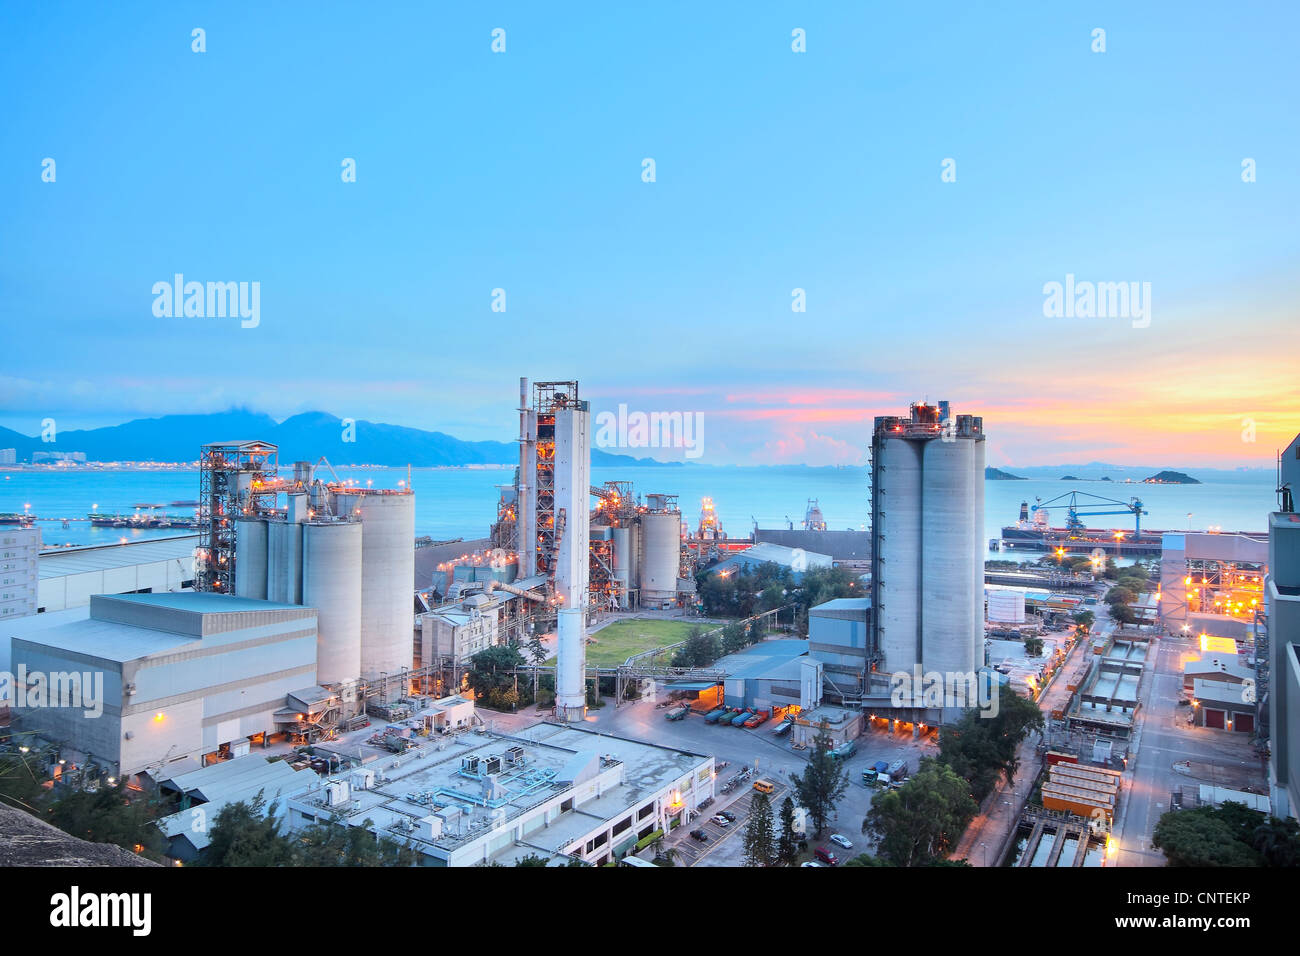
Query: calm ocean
{"points": [[461, 502]]}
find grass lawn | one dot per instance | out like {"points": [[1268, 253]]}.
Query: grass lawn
{"points": [[615, 643]]}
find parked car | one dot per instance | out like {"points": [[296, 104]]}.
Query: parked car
{"points": [[826, 856], [764, 786], [720, 820], [699, 836], [811, 863], [840, 840], [705, 804], [731, 817]]}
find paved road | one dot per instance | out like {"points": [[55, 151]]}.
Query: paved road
{"points": [[980, 845], [1163, 739]]}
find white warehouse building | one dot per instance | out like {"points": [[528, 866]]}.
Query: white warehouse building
{"points": [[178, 676], [558, 792], [69, 577]]}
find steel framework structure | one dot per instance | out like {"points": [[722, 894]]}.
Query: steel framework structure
{"points": [[235, 478]]}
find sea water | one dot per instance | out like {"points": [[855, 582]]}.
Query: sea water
{"points": [[461, 502]]}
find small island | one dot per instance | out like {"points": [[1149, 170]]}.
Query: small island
{"points": [[1071, 478], [997, 474], [1170, 478]]}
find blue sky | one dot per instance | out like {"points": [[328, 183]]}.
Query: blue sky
{"points": [[775, 171]]}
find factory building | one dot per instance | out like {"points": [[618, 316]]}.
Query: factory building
{"points": [[459, 631], [554, 791], [927, 503], [176, 677], [1278, 653], [771, 674], [796, 559], [20, 550], [68, 577], [1212, 583], [838, 635], [207, 791]]}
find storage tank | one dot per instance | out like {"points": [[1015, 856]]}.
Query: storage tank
{"points": [[331, 583], [250, 558], [284, 562], [387, 577], [897, 527], [949, 550], [661, 546], [977, 546]]}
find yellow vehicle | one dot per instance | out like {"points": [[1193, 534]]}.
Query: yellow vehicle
{"points": [[763, 786]]}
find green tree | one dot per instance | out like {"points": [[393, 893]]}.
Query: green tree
{"points": [[1119, 595], [822, 783], [980, 748], [787, 847], [331, 843], [493, 669], [1034, 646], [1203, 837], [700, 649], [247, 833], [760, 838], [916, 824], [865, 859], [108, 815]]}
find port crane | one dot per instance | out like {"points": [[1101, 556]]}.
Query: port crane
{"points": [[1092, 508]]}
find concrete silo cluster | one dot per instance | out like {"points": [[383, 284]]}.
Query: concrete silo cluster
{"points": [[344, 550], [927, 505]]}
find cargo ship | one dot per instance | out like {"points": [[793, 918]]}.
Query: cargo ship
{"points": [[1034, 533]]}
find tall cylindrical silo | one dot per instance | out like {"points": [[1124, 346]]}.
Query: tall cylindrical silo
{"points": [[284, 562], [387, 577], [948, 549], [898, 542], [331, 583], [661, 546], [978, 546], [250, 558]]}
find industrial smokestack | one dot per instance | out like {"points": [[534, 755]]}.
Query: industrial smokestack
{"points": [[525, 514], [572, 492]]}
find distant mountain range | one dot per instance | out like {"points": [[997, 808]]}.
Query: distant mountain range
{"points": [[176, 438]]}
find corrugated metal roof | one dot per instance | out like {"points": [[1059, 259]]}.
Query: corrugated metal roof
{"points": [[221, 784], [57, 564]]}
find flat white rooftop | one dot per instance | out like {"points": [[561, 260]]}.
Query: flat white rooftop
{"points": [[57, 564]]}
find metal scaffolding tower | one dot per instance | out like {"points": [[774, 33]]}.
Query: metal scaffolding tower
{"points": [[235, 479]]}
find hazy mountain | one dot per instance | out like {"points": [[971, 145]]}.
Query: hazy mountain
{"points": [[175, 438]]}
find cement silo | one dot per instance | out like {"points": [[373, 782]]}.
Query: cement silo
{"points": [[387, 565], [949, 554], [927, 474], [661, 548], [896, 538], [284, 562], [250, 558], [332, 583], [572, 502]]}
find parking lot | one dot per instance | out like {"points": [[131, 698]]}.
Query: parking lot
{"points": [[772, 757]]}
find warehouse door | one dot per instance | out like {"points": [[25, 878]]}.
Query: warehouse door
{"points": [[1243, 723], [1214, 718]]}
